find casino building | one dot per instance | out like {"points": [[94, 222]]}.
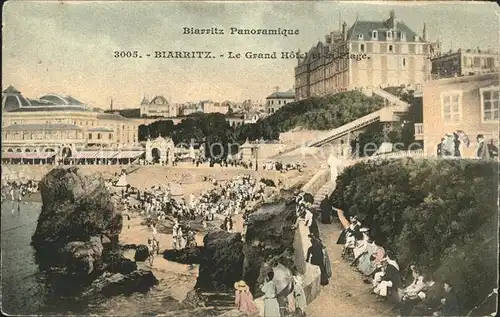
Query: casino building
{"points": [[56, 127]]}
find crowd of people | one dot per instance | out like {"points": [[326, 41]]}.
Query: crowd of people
{"points": [[225, 199], [317, 253], [422, 296], [17, 190]]}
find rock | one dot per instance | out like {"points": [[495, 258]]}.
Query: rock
{"points": [[75, 209], [141, 253], [268, 182], [127, 266], [269, 238], [83, 257], [184, 256], [221, 261], [110, 284]]}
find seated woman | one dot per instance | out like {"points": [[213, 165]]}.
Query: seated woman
{"points": [[361, 245], [389, 281], [430, 297], [449, 302], [369, 262], [410, 296]]}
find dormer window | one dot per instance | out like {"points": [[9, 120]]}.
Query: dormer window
{"points": [[403, 36], [360, 36], [389, 35], [374, 35]]}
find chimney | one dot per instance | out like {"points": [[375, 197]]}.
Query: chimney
{"points": [[344, 31], [424, 33], [392, 17], [276, 88], [111, 104]]}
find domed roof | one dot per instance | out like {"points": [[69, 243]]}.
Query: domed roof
{"points": [[12, 99], [11, 90], [159, 100], [59, 99]]}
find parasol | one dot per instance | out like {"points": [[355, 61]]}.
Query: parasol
{"points": [[283, 279]]}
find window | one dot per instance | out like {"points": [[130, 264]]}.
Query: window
{"points": [[362, 48], [110, 136], [403, 36], [360, 36], [391, 48], [389, 35], [403, 62], [489, 104], [451, 104], [374, 35], [90, 136], [98, 136]]}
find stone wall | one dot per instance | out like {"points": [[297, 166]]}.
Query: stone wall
{"points": [[310, 273]]}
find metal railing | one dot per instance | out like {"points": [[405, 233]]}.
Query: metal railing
{"points": [[356, 124], [389, 97], [413, 153]]}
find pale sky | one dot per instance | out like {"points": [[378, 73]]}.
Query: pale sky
{"points": [[68, 47]]}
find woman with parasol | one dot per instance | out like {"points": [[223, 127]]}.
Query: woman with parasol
{"points": [[244, 300], [271, 305]]}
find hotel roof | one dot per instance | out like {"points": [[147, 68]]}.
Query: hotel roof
{"points": [[56, 126], [286, 95], [367, 27]]}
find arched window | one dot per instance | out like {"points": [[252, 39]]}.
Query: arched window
{"points": [[374, 35], [403, 36], [389, 35]]}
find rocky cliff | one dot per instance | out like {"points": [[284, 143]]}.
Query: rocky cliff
{"points": [[269, 239], [221, 261], [76, 238]]}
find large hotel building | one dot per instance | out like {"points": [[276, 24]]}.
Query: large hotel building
{"points": [[394, 55]]}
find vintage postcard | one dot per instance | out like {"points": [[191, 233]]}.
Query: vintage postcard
{"points": [[258, 158]]}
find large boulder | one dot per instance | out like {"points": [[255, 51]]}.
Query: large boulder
{"points": [[83, 257], [75, 207], [112, 284], [269, 239], [184, 256], [221, 261], [141, 253]]}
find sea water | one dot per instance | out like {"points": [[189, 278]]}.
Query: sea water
{"points": [[23, 288]]}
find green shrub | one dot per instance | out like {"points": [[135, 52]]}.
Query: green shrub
{"points": [[440, 214]]}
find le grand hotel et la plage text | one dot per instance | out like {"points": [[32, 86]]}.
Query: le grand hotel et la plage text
{"points": [[232, 31]]}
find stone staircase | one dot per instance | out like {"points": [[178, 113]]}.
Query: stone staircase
{"points": [[326, 189]]}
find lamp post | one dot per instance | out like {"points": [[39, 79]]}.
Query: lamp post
{"points": [[257, 156]]}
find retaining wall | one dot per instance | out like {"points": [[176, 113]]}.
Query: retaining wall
{"points": [[310, 273]]}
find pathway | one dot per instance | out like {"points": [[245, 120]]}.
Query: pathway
{"points": [[347, 294]]}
